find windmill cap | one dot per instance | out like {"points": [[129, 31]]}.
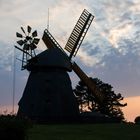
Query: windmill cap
{"points": [[52, 58]]}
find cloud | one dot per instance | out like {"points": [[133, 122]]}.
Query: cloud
{"points": [[85, 58], [121, 70], [116, 34], [63, 18], [111, 28]]}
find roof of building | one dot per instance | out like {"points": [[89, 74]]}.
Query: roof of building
{"points": [[52, 58]]}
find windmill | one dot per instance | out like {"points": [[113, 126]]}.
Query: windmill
{"points": [[28, 42], [48, 93]]}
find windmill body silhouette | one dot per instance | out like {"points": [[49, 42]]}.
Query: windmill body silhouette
{"points": [[48, 94]]}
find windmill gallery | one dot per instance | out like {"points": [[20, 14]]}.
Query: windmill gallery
{"points": [[55, 101]]}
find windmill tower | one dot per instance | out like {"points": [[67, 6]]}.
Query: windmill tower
{"points": [[48, 94]]}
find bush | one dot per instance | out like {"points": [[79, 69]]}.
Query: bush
{"points": [[13, 128], [137, 120]]}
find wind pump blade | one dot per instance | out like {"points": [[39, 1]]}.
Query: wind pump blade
{"points": [[36, 41], [34, 34], [90, 84], [19, 35], [23, 30], [20, 42], [78, 33], [29, 29]]}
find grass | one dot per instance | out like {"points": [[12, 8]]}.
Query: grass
{"points": [[85, 132]]}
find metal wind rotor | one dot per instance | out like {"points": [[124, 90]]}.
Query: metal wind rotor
{"points": [[28, 41]]}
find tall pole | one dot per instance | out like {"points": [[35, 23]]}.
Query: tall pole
{"points": [[48, 21], [14, 74]]}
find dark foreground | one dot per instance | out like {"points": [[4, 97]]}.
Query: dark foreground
{"points": [[85, 132], [15, 128]]}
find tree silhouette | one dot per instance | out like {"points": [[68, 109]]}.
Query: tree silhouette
{"points": [[137, 120], [111, 105]]}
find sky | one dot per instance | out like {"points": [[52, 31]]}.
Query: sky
{"points": [[110, 50]]}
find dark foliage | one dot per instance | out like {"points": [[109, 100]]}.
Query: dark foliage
{"points": [[137, 120], [13, 128], [110, 106]]}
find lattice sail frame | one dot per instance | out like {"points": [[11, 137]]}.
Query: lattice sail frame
{"points": [[78, 33]]}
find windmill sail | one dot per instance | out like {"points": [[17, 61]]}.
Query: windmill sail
{"points": [[79, 33], [90, 84], [50, 42]]}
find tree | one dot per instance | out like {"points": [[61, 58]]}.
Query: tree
{"points": [[110, 106], [137, 120]]}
